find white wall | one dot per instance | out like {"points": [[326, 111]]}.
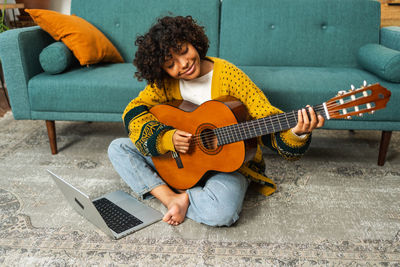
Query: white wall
{"points": [[63, 6]]}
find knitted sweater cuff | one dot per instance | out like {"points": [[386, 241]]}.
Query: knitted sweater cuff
{"points": [[294, 140], [166, 143]]}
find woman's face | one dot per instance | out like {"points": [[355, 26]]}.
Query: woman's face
{"points": [[184, 64]]}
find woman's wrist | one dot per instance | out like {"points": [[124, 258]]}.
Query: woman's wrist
{"points": [[299, 135]]}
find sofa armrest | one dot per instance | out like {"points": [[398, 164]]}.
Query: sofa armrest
{"points": [[19, 55], [390, 37], [380, 60]]}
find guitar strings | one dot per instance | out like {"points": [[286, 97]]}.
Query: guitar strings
{"points": [[236, 130], [233, 131]]}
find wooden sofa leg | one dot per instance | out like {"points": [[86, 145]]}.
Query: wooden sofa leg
{"points": [[383, 147], [51, 132]]}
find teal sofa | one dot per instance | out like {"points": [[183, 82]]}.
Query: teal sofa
{"points": [[298, 52]]}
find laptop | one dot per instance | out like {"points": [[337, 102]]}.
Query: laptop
{"points": [[117, 214]]}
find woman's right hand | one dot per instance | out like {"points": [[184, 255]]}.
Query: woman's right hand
{"points": [[181, 141]]}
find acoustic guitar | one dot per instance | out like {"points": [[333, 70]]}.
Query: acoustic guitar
{"points": [[223, 138]]}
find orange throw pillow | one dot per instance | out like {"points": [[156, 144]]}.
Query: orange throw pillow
{"points": [[88, 44]]}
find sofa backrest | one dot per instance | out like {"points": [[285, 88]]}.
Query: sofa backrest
{"points": [[297, 32], [122, 20]]}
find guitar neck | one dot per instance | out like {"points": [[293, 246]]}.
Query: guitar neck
{"points": [[271, 124]]}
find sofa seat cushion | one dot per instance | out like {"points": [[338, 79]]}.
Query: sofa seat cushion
{"points": [[105, 88], [291, 88]]}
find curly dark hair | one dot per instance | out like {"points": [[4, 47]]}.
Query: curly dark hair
{"points": [[154, 46]]}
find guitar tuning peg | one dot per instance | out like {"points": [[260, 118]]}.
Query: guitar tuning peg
{"points": [[372, 112], [341, 93], [348, 117], [352, 88], [360, 115], [365, 83]]}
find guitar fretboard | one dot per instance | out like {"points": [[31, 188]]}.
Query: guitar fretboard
{"points": [[271, 124]]}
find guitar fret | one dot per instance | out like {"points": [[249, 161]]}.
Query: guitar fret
{"points": [[279, 121], [217, 132], [242, 132], [238, 133], [229, 134], [224, 141], [294, 114], [252, 128], [235, 134], [255, 129], [232, 134], [267, 126], [243, 127], [246, 130], [224, 135], [272, 124], [287, 122], [261, 126]]}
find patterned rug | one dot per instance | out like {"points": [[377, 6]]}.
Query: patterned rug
{"points": [[334, 207]]}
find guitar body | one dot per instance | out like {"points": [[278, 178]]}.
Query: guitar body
{"points": [[186, 170]]}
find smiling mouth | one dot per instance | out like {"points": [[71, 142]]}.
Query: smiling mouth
{"points": [[190, 70]]}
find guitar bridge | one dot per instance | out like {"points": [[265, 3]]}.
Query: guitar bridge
{"points": [[178, 160]]}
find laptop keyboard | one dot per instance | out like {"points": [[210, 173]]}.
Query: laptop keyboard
{"points": [[115, 217]]}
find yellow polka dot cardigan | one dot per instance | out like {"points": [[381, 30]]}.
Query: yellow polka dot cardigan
{"points": [[153, 138]]}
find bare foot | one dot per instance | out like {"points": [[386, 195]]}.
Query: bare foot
{"points": [[177, 204], [177, 208]]}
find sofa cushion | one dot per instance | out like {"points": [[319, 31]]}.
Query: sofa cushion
{"points": [[123, 20], [291, 88], [88, 44], [297, 33], [382, 61], [85, 89], [56, 58]]}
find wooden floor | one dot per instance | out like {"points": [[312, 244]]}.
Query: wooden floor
{"points": [[4, 107]]}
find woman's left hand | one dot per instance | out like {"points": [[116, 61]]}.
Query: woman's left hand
{"points": [[306, 124]]}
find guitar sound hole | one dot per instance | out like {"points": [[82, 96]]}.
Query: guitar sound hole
{"points": [[208, 139]]}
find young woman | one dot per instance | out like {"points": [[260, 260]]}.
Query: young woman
{"points": [[171, 57]]}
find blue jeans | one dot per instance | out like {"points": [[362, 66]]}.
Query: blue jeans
{"points": [[217, 203]]}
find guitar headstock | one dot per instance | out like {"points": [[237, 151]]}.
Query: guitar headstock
{"points": [[367, 98]]}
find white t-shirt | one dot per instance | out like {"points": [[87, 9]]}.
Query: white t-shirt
{"points": [[197, 90]]}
